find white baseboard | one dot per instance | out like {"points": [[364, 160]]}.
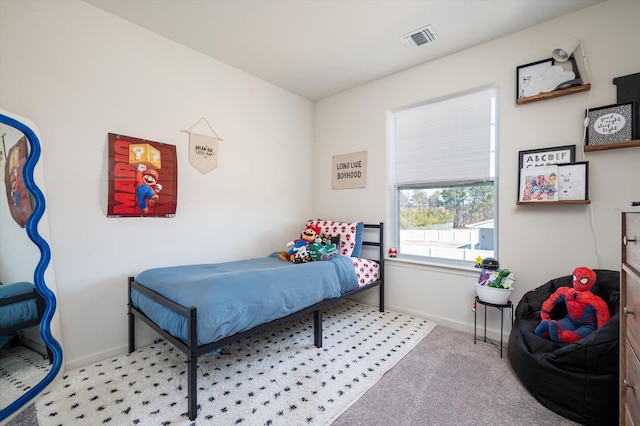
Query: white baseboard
{"points": [[100, 356], [147, 340], [493, 334]]}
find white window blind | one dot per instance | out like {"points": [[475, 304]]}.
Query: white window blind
{"points": [[445, 142]]}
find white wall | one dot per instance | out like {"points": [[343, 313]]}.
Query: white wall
{"points": [[536, 242], [80, 73]]}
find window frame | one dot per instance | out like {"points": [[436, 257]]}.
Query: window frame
{"points": [[396, 189]]}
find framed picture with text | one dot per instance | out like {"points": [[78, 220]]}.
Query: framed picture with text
{"points": [[610, 124], [546, 156], [542, 157]]}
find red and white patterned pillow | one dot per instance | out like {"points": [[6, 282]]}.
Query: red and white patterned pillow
{"points": [[367, 270], [345, 230]]}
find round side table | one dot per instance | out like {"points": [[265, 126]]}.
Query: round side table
{"points": [[501, 308]]}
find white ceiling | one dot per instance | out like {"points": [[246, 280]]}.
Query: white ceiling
{"points": [[317, 48]]}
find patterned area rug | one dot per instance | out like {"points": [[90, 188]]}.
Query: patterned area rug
{"points": [[273, 378], [20, 369]]}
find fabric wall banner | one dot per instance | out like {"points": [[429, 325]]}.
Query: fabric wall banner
{"points": [[203, 152], [349, 171]]}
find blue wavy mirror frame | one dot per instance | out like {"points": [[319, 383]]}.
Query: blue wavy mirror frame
{"points": [[38, 275]]}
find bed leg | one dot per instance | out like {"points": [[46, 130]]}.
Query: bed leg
{"points": [[192, 364], [317, 328], [381, 258], [132, 331]]}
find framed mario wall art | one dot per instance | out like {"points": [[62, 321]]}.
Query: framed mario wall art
{"points": [[20, 202], [143, 178]]}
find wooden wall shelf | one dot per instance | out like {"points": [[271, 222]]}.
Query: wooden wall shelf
{"points": [[617, 145], [554, 94], [551, 203]]}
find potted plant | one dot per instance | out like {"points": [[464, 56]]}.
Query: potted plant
{"points": [[496, 288]]}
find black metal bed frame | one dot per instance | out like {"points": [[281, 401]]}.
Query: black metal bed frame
{"points": [[40, 304], [193, 351]]}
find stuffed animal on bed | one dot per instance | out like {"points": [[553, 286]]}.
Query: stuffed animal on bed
{"points": [[322, 249], [586, 311], [297, 252]]}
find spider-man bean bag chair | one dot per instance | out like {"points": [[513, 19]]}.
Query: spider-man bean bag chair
{"points": [[577, 380]]}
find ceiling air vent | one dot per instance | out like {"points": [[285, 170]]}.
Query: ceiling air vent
{"points": [[419, 38]]}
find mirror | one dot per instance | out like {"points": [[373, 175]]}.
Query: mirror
{"points": [[30, 357]]}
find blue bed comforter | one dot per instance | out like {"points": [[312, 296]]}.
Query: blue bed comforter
{"points": [[236, 296], [18, 312]]}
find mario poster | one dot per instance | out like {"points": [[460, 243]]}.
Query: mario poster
{"points": [[143, 178], [20, 202]]}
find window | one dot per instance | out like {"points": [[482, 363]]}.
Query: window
{"points": [[444, 180]]}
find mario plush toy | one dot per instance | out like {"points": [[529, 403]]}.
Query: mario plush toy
{"points": [[586, 311], [297, 252]]}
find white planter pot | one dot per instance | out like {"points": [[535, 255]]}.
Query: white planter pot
{"points": [[497, 296]]}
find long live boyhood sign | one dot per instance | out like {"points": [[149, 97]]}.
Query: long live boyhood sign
{"points": [[349, 171]]}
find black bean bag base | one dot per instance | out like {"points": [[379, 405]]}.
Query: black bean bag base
{"points": [[579, 380]]}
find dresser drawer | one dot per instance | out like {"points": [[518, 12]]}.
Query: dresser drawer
{"points": [[628, 421], [632, 305], [631, 253], [632, 376]]}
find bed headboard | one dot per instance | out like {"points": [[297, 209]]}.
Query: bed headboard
{"points": [[374, 239], [371, 238]]}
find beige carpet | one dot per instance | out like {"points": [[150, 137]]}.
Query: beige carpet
{"points": [[448, 381]]}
